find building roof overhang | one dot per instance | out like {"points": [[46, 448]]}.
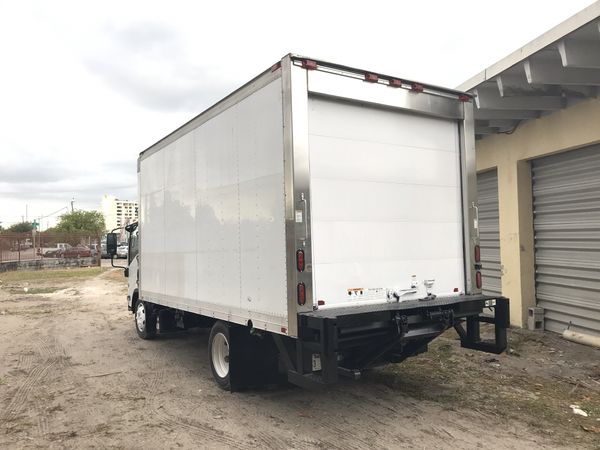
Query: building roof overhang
{"points": [[554, 71]]}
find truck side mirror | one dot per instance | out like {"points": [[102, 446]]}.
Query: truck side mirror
{"points": [[111, 243]]}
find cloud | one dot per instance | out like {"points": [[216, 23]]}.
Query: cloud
{"points": [[47, 182], [80, 187], [146, 62], [44, 169], [83, 90], [37, 172], [21, 166]]}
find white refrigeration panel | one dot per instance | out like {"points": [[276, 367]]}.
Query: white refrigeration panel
{"points": [[212, 216], [385, 202]]}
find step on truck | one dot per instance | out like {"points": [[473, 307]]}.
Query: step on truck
{"points": [[321, 219]]}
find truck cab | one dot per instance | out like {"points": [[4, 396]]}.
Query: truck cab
{"points": [[133, 272]]}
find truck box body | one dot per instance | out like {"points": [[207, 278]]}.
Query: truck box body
{"points": [[212, 215], [321, 219], [371, 180]]}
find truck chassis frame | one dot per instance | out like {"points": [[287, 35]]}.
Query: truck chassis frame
{"points": [[393, 333]]}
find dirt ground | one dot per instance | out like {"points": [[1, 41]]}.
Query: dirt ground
{"points": [[74, 374]]}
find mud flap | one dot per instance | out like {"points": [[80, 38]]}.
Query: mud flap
{"points": [[253, 361]]}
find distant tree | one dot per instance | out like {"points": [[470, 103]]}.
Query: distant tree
{"points": [[22, 227], [83, 221]]}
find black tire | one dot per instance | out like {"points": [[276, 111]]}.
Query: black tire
{"points": [[219, 365], [145, 320]]}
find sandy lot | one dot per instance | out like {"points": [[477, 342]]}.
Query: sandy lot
{"points": [[74, 374]]}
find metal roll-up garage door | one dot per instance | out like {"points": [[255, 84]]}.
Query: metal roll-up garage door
{"points": [[489, 231], [566, 204]]}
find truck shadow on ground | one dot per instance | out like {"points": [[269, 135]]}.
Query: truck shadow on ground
{"points": [[448, 389], [333, 417]]}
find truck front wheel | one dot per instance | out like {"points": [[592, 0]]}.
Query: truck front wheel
{"points": [[145, 320], [218, 354]]}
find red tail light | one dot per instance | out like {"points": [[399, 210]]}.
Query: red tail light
{"points": [[321, 302], [309, 64], [477, 254], [455, 289], [478, 281], [416, 87], [301, 294], [395, 82], [371, 77], [300, 260], [464, 98]]}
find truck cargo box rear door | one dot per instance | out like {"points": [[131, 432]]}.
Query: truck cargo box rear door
{"points": [[385, 202]]}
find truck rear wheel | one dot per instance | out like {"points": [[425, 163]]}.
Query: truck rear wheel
{"points": [[145, 320], [218, 354]]}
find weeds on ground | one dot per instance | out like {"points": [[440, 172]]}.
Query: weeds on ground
{"points": [[49, 274], [460, 379]]}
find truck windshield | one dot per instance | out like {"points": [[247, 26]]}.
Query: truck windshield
{"points": [[133, 244]]}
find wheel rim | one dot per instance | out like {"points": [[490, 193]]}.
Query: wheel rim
{"points": [[220, 355], [140, 317]]}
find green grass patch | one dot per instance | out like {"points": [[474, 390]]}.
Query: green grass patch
{"points": [[50, 274]]}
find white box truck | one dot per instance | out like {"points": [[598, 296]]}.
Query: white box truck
{"points": [[321, 219]]}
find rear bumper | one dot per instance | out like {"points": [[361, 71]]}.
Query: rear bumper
{"points": [[347, 341]]}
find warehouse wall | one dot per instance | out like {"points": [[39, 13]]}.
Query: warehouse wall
{"points": [[567, 129]]}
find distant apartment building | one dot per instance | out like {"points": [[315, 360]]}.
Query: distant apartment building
{"points": [[118, 213]]}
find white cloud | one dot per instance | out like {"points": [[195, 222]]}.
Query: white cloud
{"points": [[84, 87]]}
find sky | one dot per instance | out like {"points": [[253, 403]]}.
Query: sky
{"points": [[86, 86]]}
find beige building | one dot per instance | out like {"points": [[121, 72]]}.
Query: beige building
{"points": [[538, 159], [118, 213]]}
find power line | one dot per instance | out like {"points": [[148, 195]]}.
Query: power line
{"points": [[43, 217], [55, 212]]}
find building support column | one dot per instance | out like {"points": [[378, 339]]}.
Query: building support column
{"points": [[516, 237]]}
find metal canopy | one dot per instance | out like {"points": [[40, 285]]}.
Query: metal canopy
{"points": [[555, 71]]}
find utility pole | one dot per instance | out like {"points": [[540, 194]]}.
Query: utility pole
{"points": [[34, 226], [26, 218], [72, 201]]}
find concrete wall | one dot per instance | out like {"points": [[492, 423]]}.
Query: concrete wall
{"points": [[567, 129], [49, 263]]}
